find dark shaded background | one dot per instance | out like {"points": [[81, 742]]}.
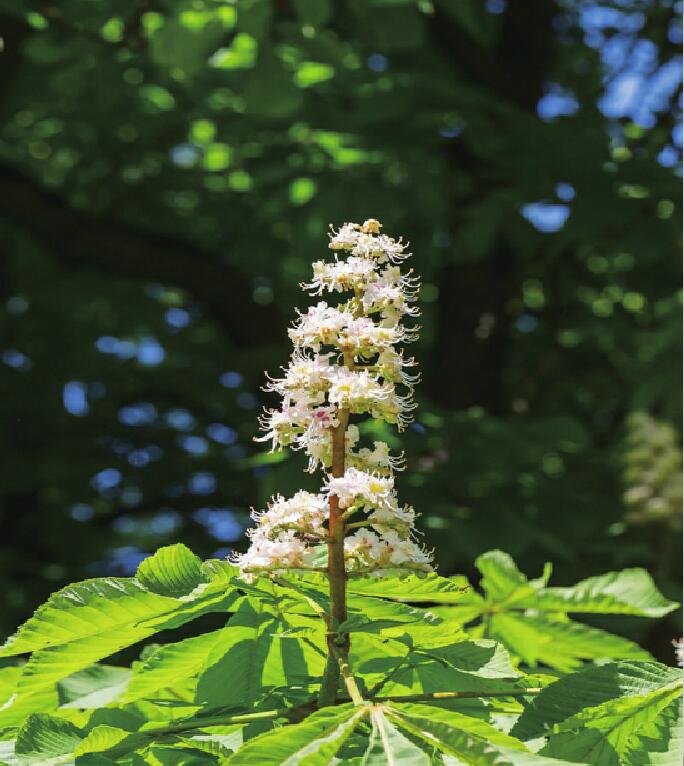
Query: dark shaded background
{"points": [[168, 171]]}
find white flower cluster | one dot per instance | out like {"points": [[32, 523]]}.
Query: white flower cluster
{"points": [[362, 333], [287, 534], [284, 532], [347, 361], [368, 552]]}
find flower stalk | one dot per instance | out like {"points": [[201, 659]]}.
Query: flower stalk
{"points": [[338, 643], [347, 361]]}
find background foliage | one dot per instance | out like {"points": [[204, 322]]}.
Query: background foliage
{"points": [[167, 174]]}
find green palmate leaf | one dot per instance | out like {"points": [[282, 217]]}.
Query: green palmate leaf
{"points": [[44, 739], [466, 666], [86, 622], [501, 756], [661, 741], [93, 687], [172, 571], [590, 688], [258, 655], [389, 747], [47, 739], [172, 663], [314, 742], [631, 591], [624, 732], [233, 670], [47, 666], [8, 681], [467, 612], [376, 659], [220, 571], [89, 608], [436, 719], [110, 741], [290, 595], [470, 740], [381, 620], [530, 619], [430, 588], [96, 607], [502, 581], [214, 744], [426, 633], [481, 658], [367, 614], [373, 614], [559, 644], [18, 707]]}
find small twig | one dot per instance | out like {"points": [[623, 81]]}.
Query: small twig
{"points": [[197, 723], [459, 695], [349, 680]]}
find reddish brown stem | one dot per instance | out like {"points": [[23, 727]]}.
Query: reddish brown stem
{"points": [[338, 643], [336, 568]]}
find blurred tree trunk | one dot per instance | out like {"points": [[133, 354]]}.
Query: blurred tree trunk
{"points": [[470, 354]]}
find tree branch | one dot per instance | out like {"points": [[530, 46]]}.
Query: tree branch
{"points": [[80, 240]]}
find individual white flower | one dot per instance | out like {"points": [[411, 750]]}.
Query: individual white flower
{"points": [[386, 518], [318, 446], [281, 426], [294, 423], [358, 390], [381, 248], [320, 325], [363, 336], [361, 488], [303, 513], [361, 240], [345, 237], [367, 550], [389, 300], [287, 551], [371, 226], [352, 274], [403, 551], [390, 366], [364, 545], [304, 373], [378, 459]]}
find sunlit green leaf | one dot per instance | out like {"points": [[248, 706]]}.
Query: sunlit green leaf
{"points": [[93, 687], [313, 742], [589, 688], [631, 731], [173, 571], [389, 747]]}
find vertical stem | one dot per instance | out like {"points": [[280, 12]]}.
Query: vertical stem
{"points": [[338, 643], [349, 680]]}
